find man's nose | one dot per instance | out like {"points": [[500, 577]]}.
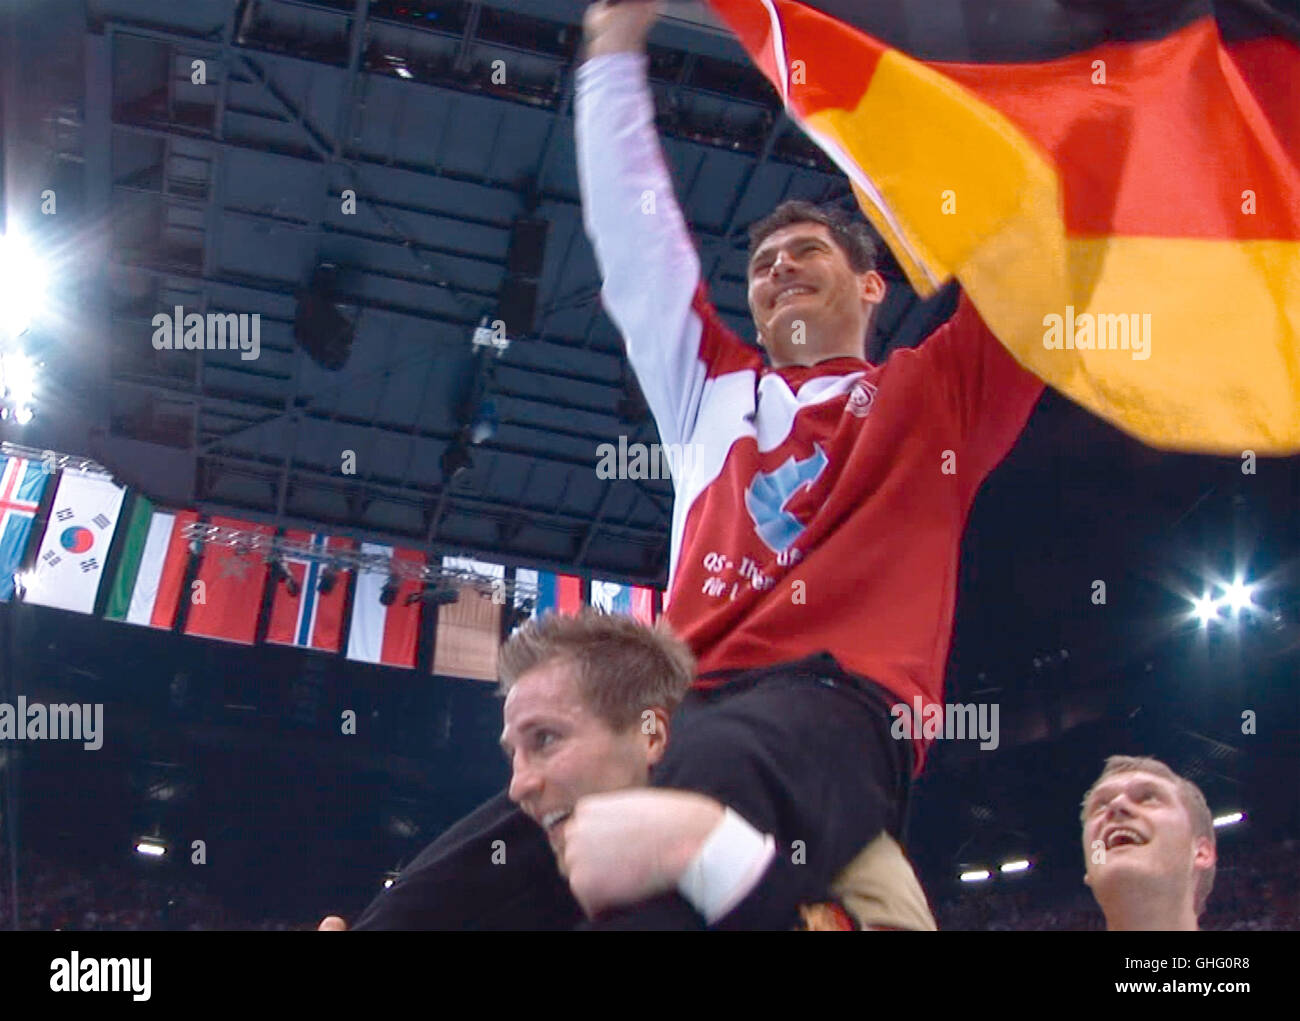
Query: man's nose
{"points": [[524, 782], [1120, 805]]}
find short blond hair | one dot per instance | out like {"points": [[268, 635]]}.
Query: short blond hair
{"points": [[1189, 795], [624, 667]]}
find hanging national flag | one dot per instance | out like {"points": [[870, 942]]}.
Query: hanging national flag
{"points": [[74, 549], [312, 616], [468, 635], [1116, 186], [632, 600], [386, 634], [227, 594], [151, 572], [22, 485], [561, 593]]}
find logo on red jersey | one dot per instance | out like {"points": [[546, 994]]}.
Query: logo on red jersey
{"points": [[769, 492], [861, 398]]}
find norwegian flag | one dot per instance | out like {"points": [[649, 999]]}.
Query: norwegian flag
{"points": [[311, 618]]}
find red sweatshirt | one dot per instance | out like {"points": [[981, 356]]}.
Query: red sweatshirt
{"points": [[817, 508]]}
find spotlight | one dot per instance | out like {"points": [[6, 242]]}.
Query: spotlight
{"points": [[1231, 819], [328, 579], [17, 386], [281, 574], [485, 423], [1237, 596], [516, 616], [1205, 610], [1019, 865], [22, 286], [435, 595], [151, 847], [455, 459], [319, 325], [975, 876], [388, 594]]}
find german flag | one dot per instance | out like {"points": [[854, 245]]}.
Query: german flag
{"points": [[1115, 183]]}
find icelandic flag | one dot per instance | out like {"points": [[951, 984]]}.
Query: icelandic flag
{"points": [[631, 600], [312, 619], [22, 485]]}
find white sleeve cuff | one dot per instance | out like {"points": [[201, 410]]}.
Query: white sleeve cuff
{"points": [[727, 867]]}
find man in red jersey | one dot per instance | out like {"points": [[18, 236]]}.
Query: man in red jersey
{"points": [[815, 532]]}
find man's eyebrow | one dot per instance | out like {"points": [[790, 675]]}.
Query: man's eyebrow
{"points": [[802, 239]]}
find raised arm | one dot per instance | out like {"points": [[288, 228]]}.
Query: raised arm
{"points": [[649, 268]]}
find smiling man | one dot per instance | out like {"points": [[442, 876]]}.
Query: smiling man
{"points": [[1148, 846], [815, 538], [588, 702]]}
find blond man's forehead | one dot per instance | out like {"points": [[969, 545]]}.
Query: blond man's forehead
{"points": [[1117, 782]]}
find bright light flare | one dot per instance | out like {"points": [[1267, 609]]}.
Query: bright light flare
{"points": [[1231, 819], [1237, 596], [150, 848], [18, 377], [1205, 610], [1020, 865], [975, 876], [23, 281]]}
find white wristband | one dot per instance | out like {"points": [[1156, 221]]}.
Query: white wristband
{"points": [[727, 867]]}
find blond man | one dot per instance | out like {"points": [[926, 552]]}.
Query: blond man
{"points": [[1148, 846]]}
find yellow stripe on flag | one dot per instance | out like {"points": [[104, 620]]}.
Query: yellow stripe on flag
{"points": [[968, 195]]}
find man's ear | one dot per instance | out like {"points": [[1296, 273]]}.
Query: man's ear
{"points": [[872, 286], [654, 725], [1204, 855]]}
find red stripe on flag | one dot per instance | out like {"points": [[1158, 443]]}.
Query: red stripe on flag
{"points": [[172, 578], [402, 624], [643, 604], [568, 594], [328, 632]]}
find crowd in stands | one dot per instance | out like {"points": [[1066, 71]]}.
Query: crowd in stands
{"points": [[114, 898], [1254, 888]]}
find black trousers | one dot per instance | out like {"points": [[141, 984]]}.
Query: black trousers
{"points": [[492, 870], [802, 751]]}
